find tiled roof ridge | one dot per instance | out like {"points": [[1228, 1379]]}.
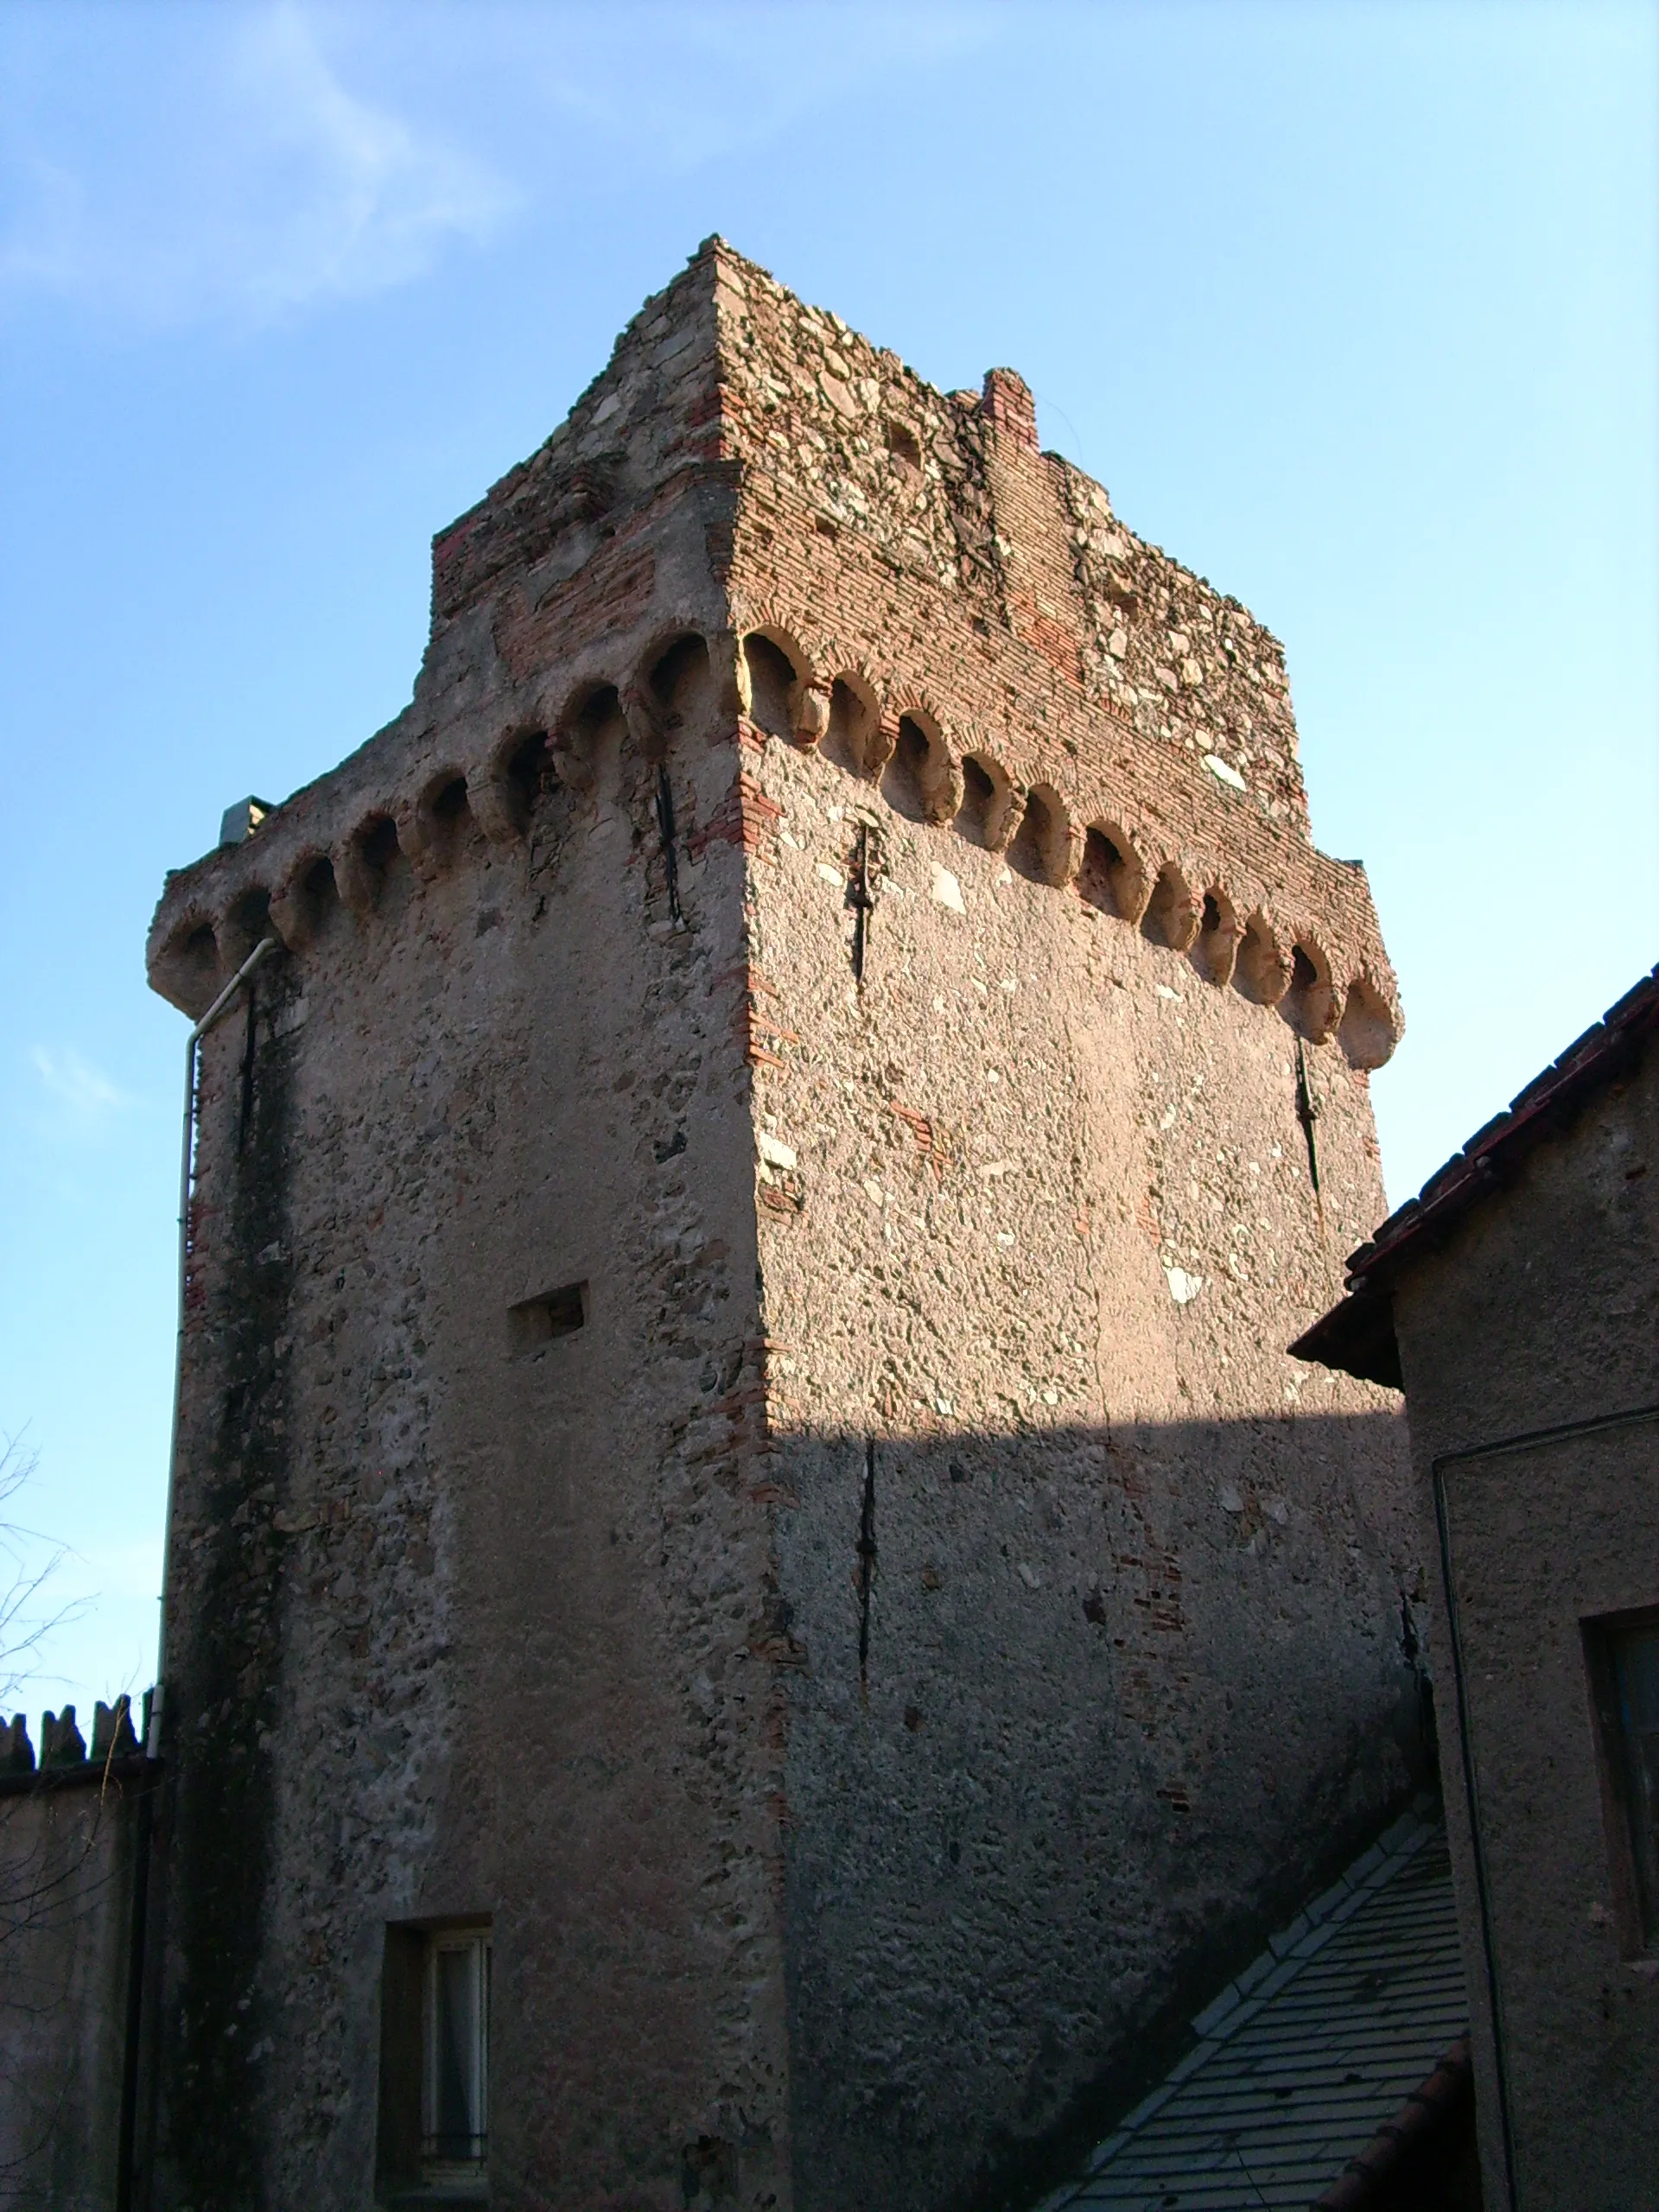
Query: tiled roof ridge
{"points": [[1285, 1955], [1587, 1061]]}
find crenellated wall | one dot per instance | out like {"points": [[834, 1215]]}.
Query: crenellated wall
{"points": [[837, 913], [72, 1850]]}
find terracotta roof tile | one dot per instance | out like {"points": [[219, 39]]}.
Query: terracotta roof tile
{"points": [[1357, 1335]]}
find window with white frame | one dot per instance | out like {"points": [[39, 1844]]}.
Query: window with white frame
{"points": [[433, 2126], [1624, 1653], [456, 2053]]}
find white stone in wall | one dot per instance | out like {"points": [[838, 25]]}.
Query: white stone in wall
{"points": [[947, 892]]}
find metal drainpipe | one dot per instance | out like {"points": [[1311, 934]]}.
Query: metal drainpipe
{"points": [[138, 1940], [261, 952]]}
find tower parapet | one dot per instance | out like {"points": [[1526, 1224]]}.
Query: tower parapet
{"points": [[920, 566]]}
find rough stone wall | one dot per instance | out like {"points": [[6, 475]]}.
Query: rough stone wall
{"points": [[1037, 1220], [459, 1628], [935, 1313], [1541, 1310], [464, 1624]]}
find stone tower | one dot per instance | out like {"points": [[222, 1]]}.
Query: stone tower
{"points": [[736, 1445]]}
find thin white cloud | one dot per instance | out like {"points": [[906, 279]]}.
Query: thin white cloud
{"points": [[654, 89], [232, 167], [80, 1091], [275, 188]]}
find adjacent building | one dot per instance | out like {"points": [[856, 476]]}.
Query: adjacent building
{"points": [[1517, 1301]]}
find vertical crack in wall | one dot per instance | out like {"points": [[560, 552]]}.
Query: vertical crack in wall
{"points": [[1308, 1114], [865, 1567], [666, 832]]}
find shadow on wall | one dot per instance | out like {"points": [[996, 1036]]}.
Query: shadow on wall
{"points": [[1076, 1718]]}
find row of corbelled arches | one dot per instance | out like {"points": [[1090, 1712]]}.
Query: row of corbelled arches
{"points": [[1191, 903], [897, 741]]}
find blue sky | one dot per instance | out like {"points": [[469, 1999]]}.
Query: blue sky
{"points": [[1353, 309]]}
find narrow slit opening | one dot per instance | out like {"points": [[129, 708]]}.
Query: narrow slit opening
{"points": [[905, 446]]}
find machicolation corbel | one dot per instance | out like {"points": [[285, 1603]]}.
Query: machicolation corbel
{"points": [[644, 718], [730, 672], [492, 801], [1174, 913], [882, 731], [361, 861], [810, 707], [991, 802], [1215, 950], [1048, 845], [1310, 1003], [881, 742], [1114, 875], [302, 907], [1260, 968]]}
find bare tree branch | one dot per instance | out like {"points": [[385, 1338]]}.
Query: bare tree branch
{"points": [[24, 1628]]}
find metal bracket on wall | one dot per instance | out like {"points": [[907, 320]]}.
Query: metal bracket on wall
{"points": [[859, 899], [1307, 1113], [865, 1567]]}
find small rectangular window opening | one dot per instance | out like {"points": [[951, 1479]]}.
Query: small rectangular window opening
{"points": [[434, 2064], [555, 1314], [1624, 1656]]}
